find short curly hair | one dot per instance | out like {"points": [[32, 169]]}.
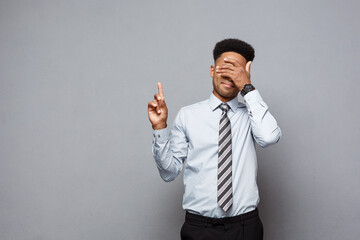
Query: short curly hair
{"points": [[234, 45]]}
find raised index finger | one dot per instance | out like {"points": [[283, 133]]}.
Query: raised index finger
{"points": [[161, 91]]}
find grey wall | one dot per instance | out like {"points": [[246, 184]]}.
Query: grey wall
{"points": [[75, 141]]}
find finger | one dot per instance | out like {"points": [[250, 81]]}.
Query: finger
{"points": [[225, 70], [161, 91], [152, 106], [160, 102], [154, 103], [226, 75], [233, 61], [248, 65], [226, 66], [157, 97]]}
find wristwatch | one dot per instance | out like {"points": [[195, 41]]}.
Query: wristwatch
{"points": [[246, 89]]}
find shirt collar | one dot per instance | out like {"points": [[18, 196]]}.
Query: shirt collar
{"points": [[233, 104]]}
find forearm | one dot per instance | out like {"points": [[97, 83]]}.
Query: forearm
{"points": [[168, 164], [263, 125]]}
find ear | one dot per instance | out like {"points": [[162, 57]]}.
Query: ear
{"points": [[212, 71]]}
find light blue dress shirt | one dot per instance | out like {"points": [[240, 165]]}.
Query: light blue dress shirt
{"points": [[193, 144]]}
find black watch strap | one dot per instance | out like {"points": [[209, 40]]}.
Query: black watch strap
{"points": [[246, 89]]}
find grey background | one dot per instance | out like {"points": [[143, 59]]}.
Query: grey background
{"points": [[75, 141]]}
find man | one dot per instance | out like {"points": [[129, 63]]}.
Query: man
{"points": [[215, 142]]}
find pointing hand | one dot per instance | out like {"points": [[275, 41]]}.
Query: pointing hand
{"points": [[157, 110]]}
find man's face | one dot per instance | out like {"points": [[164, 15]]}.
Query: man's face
{"points": [[224, 88]]}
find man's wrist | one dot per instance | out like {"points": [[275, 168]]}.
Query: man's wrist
{"points": [[159, 126], [248, 87]]}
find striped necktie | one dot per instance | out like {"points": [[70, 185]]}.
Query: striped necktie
{"points": [[224, 161]]}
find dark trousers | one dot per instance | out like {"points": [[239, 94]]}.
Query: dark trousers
{"points": [[247, 226]]}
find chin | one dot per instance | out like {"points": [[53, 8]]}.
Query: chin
{"points": [[228, 94]]}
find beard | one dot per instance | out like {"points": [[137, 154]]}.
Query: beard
{"points": [[224, 91]]}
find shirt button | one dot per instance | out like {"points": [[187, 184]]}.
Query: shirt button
{"points": [[158, 135]]}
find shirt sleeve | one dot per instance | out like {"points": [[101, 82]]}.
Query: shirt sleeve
{"points": [[263, 125], [170, 149]]}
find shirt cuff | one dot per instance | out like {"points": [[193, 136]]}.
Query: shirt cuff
{"points": [[252, 96], [254, 101], [161, 135]]}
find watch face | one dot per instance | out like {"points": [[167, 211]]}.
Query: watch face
{"points": [[247, 88]]}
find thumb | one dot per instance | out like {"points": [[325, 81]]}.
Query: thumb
{"points": [[247, 67]]}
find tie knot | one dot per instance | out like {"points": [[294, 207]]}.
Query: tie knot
{"points": [[224, 107]]}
